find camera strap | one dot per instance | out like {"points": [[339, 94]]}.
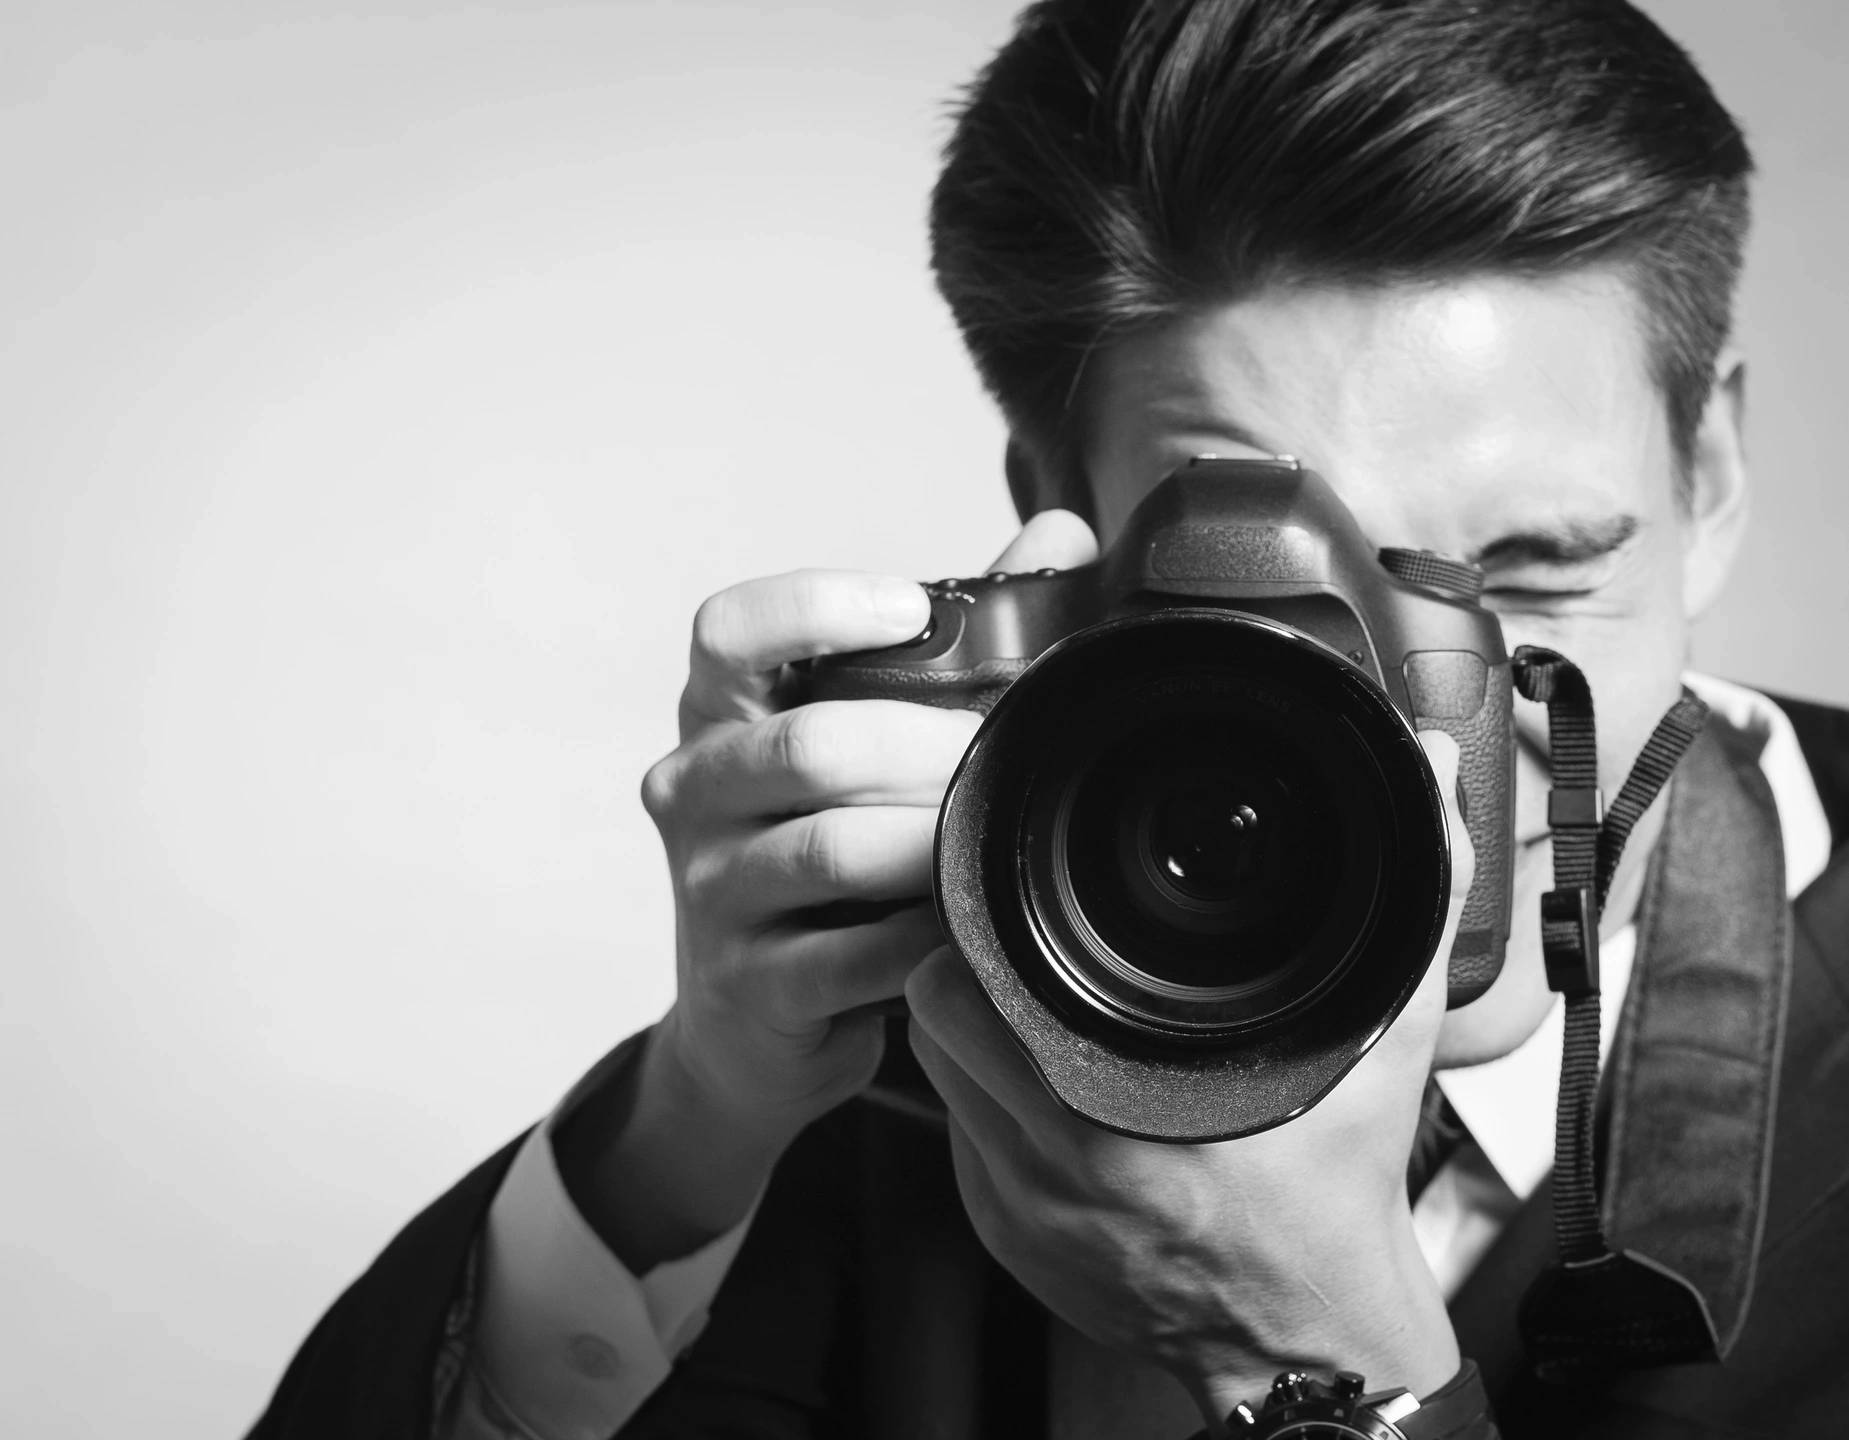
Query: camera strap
{"points": [[1597, 1309]]}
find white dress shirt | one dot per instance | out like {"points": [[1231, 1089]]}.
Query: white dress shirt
{"points": [[568, 1344]]}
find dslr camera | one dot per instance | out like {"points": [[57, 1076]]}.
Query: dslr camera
{"points": [[1195, 854]]}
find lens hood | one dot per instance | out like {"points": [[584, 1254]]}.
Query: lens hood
{"points": [[1198, 862]]}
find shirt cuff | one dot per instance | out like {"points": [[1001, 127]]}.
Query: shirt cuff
{"points": [[569, 1341]]}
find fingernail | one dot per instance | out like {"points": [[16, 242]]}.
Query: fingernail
{"points": [[902, 605]]}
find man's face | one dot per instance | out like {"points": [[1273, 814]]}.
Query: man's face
{"points": [[1507, 421]]}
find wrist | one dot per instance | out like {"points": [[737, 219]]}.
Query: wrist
{"points": [[1376, 1310], [657, 1163]]}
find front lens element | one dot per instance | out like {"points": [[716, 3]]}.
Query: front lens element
{"points": [[1219, 848], [1202, 843]]}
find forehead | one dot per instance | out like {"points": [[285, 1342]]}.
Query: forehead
{"points": [[1443, 413]]}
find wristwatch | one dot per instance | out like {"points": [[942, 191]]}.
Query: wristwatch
{"points": [[1302, 1407]]}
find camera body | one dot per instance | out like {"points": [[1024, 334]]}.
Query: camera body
{"points": [[1195, 854]]}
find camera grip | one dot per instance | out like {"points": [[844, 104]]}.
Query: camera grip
{"points": [[1457, 692], [983, 634], [976, 687]]}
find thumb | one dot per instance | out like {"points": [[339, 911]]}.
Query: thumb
{"points": [[1053, 539], [1442, 753], [1410, 1042]]}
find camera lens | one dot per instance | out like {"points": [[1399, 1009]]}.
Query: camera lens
{"points": [[1199, 853], [1191, 827], [1197, 860], [1213, 843], [1205, 848]]}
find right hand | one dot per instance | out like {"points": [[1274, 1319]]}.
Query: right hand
{"points": [[775, 820], [770, 816]]}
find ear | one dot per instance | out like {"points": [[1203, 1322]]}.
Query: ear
{"points": [[1715, 507], [1037, 482]]}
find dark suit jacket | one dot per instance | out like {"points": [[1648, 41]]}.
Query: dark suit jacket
{"points": [[862, 1305]]}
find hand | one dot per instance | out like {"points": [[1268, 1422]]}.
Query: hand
{"points": [[1222, 1263], [772, 817]]}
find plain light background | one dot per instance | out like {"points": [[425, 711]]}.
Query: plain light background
{"points": [[383, 385]]}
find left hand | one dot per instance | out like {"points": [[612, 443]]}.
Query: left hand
{"points": [[1222, 1263]]}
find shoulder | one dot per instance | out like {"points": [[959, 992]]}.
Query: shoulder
{"points": [[1810, 1191], [365, 1370]]}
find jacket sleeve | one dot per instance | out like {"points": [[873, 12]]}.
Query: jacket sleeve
{"points": [[778, 1360], [563, 1340]]}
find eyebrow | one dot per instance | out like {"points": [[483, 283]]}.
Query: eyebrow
{"points": [[1572, 542]]}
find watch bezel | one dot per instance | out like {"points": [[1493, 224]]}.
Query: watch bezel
{"points": [[1319, 1411]]}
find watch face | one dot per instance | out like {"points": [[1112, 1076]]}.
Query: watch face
{"points": [[1368, 1429]]}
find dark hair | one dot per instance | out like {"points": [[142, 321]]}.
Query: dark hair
{"points": [[1122, 161]]}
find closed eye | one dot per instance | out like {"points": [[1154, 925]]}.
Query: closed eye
{"points": [[1535, 595], [1572, 542], [1554, 564]]}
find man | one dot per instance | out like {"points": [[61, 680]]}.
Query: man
{"points": [[1474, 265]]}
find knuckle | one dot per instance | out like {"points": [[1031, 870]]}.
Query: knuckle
{"points": [[716, 627], [821, 854], [657, 790], [719, 974], [702, 882], [802, 743]]}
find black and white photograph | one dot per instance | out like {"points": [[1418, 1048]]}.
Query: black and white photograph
{"points": [[985, 720]]}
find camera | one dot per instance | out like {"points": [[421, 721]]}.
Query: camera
{"points": [[1195, 854]]}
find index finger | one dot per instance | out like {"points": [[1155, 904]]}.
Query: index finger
{"points": [[744, 635]]}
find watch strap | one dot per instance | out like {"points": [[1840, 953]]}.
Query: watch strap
{"points": [[1456, 1410]]}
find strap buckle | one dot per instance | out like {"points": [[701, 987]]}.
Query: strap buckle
{"points": [[1575, 807], [1570, 940]]}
